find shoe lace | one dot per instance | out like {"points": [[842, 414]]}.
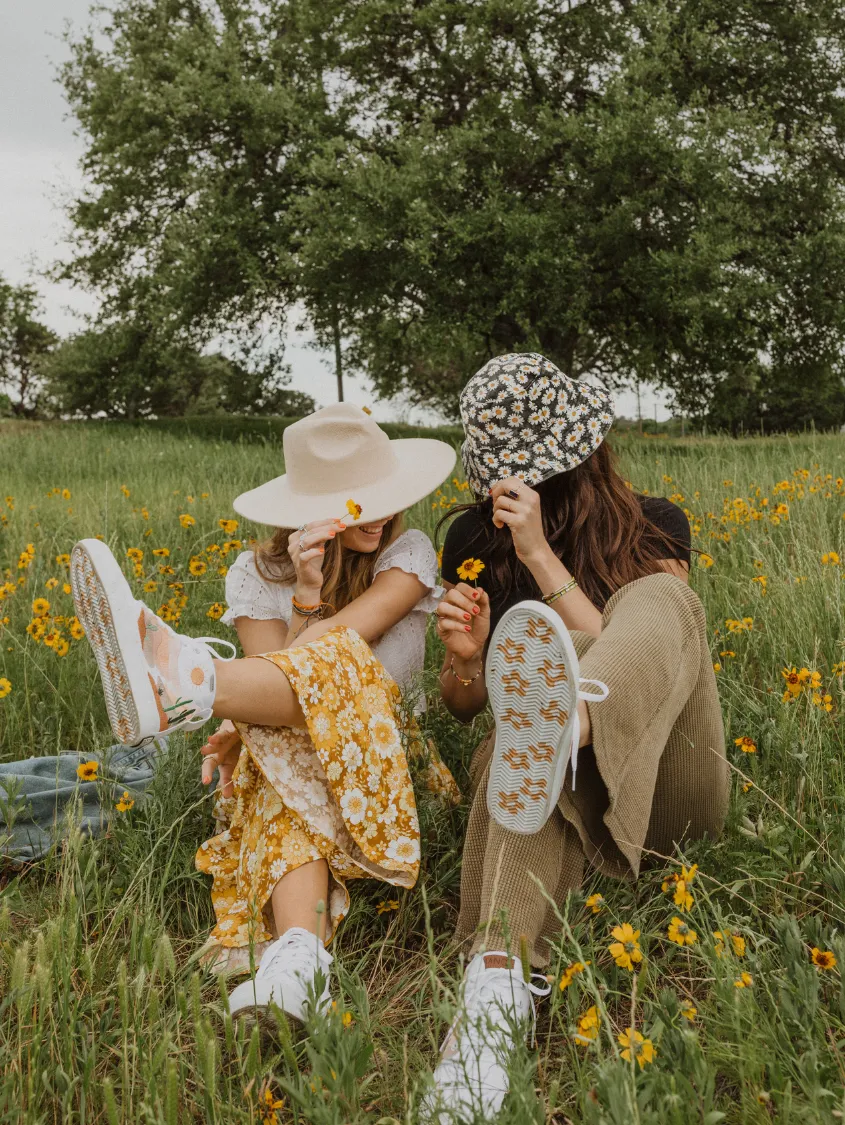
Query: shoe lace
{"points": [[591, 697], [209, 643]]}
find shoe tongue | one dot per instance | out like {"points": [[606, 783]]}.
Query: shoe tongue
{"points": [[498, 961]]}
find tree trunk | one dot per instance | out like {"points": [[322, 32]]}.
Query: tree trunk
{"points": [[338, 358]]}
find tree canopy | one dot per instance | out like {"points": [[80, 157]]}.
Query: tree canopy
{"points": [[124, 372], [641, 189], [24, 344]]}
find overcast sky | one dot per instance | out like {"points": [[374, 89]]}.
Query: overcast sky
{"points": [[39, 156]]}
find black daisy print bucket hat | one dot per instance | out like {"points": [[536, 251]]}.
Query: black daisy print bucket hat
{"points": [[523, 417]]}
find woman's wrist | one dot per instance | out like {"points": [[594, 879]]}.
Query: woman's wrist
{"points": [[307, 596], [547, 570], [467, 667]]}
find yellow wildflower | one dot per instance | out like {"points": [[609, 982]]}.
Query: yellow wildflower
{"points": [[40, 607], [63, 560], [197, 566], [125, 803], [636, 1046], [161, 552], [5, 687], [748, 745], [595, 903], [744, 980], [570, 973], [216, 611], [87, 771], [625, 951], [135, 554], [680, 933], [588, 1026], [682, 897], [267, 1106], [823, 959], [470, 569], [353, 509], [228, 527], [688, 1010], [384, 907], [187, 520]]}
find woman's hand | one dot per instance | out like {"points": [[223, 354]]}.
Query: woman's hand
{"points": [[307, 549], [221, 752], [463, 621], [517, 506]]}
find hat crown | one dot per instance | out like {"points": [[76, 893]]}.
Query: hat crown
{"points": [[523, 417], [334, 449]]}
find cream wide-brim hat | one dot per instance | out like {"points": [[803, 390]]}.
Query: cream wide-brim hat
{"points": [[339, 454]]}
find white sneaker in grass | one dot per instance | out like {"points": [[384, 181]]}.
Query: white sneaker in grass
{"points": [[534, 684], [497, 1006], [154, 679], [286, 972]]}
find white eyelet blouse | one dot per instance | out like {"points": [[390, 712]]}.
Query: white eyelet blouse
{"points": [[401, 649]]}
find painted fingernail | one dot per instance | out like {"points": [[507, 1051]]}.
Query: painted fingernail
{"points": [[476, 609], [475, 593], [467, 629], [466, 617]]}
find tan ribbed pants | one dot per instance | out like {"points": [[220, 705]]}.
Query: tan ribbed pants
{"points": [[654, 776]]}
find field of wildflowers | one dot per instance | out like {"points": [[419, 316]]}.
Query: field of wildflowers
{"points": [[711, 991]]}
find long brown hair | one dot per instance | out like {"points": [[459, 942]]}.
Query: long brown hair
{"points": [[346, 573], [595, 525]]}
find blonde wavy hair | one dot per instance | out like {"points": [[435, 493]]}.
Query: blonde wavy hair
{"points": [[346, 573]]}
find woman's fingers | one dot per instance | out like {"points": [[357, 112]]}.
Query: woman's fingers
{"points": [[505, 518], [509, 484]]}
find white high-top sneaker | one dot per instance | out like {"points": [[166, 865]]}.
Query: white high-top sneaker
{"points": [[287, 968], [471, 1079], [154, 679]]}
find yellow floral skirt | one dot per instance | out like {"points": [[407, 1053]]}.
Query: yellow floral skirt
{"points": [[337, 789]]}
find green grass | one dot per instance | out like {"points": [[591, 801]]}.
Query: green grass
{"points": [[105, 1015]]}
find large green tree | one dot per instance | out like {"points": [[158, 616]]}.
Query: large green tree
{"points": [[641, 189], [24, 344]]}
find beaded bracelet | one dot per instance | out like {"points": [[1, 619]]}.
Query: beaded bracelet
{"points": [[565, 588], [460, 679]]}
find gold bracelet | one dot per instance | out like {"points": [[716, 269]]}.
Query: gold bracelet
{"points": [[565, 588], [460, 679]]}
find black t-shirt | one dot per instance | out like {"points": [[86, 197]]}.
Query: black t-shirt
{"points": [[470, 535]]}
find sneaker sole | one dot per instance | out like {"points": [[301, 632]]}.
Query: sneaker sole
{"points": [[265, 1019], [532, 679], [109, 613]]}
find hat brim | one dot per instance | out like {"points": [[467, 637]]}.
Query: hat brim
{"points": [[423, 464]]}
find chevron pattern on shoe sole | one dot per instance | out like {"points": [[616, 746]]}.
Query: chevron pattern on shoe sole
{"points": [[94, 613], [533, 690]]}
